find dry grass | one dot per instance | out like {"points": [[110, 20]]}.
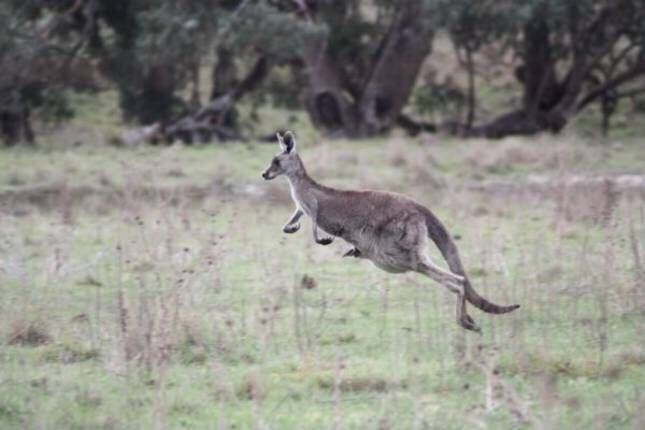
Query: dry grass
{"points": [[149, 335], [593, 201], [418, 161], [361, 384], [168, 310], [28, 332], [511, 154]]}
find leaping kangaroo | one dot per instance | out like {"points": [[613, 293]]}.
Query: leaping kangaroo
{"points": [[389, 229]]}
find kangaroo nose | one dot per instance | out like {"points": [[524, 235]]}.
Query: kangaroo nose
{"points": [[265, 175]]}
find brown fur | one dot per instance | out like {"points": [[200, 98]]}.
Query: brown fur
{"points": [[389, 229]]}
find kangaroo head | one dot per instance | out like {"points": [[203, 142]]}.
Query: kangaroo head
{"points": [[287, 161]]}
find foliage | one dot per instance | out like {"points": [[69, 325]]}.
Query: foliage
{"points": [[566, 55], [472, 25], [439, 100], [37, 52], [268, 31], [149, 49]]}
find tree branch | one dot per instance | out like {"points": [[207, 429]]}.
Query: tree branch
{"points": [[631, 93], [633, 72], [55, 22]]}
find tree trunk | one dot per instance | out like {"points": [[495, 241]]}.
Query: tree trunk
{"points": [[9, 128], [470, 65], [15, 120], [608, 105], [195, 85], [395, 72], [543, 95], [224, 78], [157, 99], [549, 102], [375, 105], [326, 100], [541, 88]]}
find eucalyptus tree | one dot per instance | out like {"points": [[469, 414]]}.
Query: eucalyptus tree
{"points": [[361, 73], [572, 53], [40, 61]]}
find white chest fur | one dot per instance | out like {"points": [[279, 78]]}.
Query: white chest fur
{"points": [[302, 199]]}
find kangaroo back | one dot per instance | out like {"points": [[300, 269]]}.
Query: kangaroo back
{"points": [[448, 249]]}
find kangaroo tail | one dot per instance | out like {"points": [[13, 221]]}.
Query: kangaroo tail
{"points": [[448, 249]]}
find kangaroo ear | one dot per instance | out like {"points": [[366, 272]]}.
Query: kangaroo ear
{"points": [[280, 137], [288, 142]]}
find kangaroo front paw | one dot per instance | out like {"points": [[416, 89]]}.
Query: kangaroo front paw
{"points": [[325, 241], [291, 228], [354, 252]]}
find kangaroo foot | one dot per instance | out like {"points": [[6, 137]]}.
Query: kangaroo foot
{"points": [[291, 228], [354, 252], [469, 324], [325, 241]]}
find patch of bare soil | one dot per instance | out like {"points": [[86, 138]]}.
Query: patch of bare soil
{"points": [[627, 185], [106, 198], [103, 199], [28, 333], [576, 197]]}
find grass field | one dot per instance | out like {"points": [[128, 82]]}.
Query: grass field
{"points": [[152, 287]]}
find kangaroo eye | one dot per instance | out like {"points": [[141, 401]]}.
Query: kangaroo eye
{"points": [[276, 162]]}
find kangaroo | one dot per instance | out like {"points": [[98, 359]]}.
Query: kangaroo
{"points": [[389, 229]]}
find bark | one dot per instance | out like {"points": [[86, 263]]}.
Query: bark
{"points": [[414, 127], [608, 107], [195, 81], [470, 65], [9, 128], [518, 122], [224, 75], [157, 99], [538, 76], [15, 119]]}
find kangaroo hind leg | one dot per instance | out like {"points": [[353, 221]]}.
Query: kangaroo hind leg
{"points": [[454, 283]]}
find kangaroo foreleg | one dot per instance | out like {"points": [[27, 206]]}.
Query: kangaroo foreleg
{"points": [[319, 240], [354, 252], [292, 225]]}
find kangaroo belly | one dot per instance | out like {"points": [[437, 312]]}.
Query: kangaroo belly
{"points": [[394, 247], [394, 258], [390, 266]]}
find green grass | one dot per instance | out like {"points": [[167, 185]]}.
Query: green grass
{"points": [[191, 314], [343, 161]]}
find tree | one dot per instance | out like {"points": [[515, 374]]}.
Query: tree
{"points": [[562, 46], [472, 26], [362, 72], [250, 38], [40, 62], [150, 50]]}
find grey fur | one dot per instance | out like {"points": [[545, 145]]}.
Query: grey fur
{"points": [[389, 229]]}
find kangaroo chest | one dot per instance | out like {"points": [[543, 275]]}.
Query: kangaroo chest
{"points": [[303, 200]]}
